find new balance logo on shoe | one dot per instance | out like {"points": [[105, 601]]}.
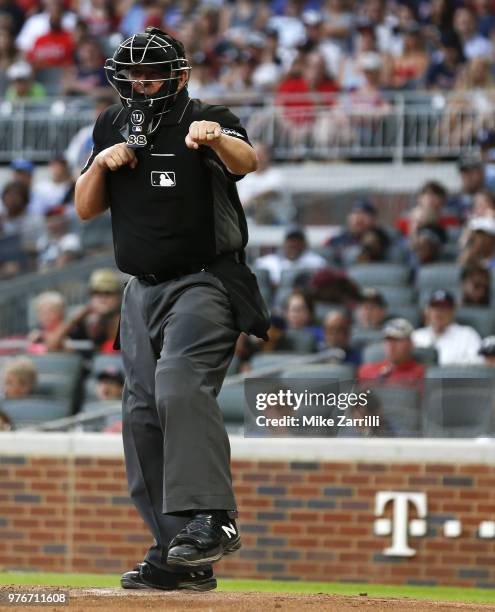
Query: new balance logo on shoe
{"points": [[205, 539], [229, 530]]}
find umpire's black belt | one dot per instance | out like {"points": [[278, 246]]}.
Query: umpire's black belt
{"points": [[163, 277]]}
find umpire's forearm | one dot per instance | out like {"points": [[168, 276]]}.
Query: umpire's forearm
{"points": [[90, 192], [237, 155]]}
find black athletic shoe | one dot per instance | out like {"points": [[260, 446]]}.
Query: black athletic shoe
{"points": [[132, 579], [208, 536], [146, 576]]}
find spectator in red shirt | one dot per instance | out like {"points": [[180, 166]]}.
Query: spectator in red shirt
{"points": [[54, 49], [319, 79], [293, 95], [372, 309], [399, 366], [432, 202]]}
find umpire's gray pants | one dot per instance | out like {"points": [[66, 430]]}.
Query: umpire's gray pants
{"points": [[177, 340]]}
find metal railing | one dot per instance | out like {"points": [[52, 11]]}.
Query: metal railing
{"points": [[396, 126]]}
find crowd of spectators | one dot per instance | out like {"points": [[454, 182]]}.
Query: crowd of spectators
{"points": [[333, 53], [361, 47], [88, 330], [389, 332]]}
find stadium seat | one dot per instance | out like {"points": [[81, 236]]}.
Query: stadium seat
{"points": [[334, 371], [59, 375], [373, 352], [100, 362], [288, 282], [397, 295], [35, 410], [376, 352], [370, 275], [426, 355], [103, 361], [298, 341], [232, 402], [272, 359], [97, 233], [262, 276], [288, 278], [100, 423], [459, 412], [406, 311], [400, 406], [437, 276], [473, 372], [361, 337], [479, 317]]}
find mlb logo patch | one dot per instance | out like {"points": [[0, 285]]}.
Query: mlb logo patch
{"points": [[162, 178]]}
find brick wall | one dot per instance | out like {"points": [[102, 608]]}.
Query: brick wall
{"points": [[304, 519]]}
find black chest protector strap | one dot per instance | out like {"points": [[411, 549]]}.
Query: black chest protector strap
{"points": [[137, 120]]}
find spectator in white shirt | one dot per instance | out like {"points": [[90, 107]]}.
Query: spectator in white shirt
{"points": [[487, 350], [262, 192], [294, 256], [58, 245], [57, 190], [455, 344], [473, 44]]}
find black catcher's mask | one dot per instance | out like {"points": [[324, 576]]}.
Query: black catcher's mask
{"points": [[164, 57]]}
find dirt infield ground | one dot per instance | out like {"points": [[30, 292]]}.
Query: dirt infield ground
{"points": [[110, 599]]}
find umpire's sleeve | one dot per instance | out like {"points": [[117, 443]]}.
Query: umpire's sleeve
{"points": [[230, 125]]}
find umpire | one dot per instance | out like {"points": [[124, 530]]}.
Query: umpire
{"points": [[166, 166]]}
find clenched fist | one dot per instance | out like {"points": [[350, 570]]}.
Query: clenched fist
{"points": [[116, 157], [203, 133]]}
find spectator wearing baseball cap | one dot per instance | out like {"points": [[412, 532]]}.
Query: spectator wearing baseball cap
{"points": [[475, 286], [16, 217], [455, 343], [487, 350], [110, 383], [371, 310], [444, 69], [105, 289], [59, 245], [399, 366], [23, 171], [337, 327], [101, 311], [294, 255], [22, 85], [480, 244], [432, 207], [426, 245], [472, 175], [57, 189], [344, 248]]}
